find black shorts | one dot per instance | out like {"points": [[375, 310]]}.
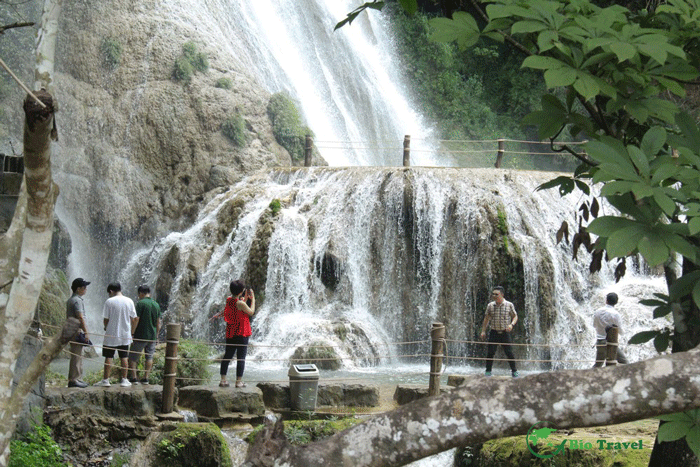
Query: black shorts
{"points": [[108, 352]]}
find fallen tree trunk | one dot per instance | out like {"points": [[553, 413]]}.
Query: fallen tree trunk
{"points": [[492, 408]]}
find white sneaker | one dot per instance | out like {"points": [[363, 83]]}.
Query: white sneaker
{"points": [[125, 383], [104, 383]]}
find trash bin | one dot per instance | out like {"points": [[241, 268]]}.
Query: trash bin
{"points": [[303, 386]]}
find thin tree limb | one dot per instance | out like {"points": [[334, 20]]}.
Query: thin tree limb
{"points": [[21, 84], [14, 25]]}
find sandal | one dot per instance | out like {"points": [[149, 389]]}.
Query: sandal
{"points": [[224, 384], [241, 385]]}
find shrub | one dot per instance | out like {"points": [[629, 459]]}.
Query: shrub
{"points": [[275, 206], [287, 125], [234, 129], [111, 53], [190, 61], [183, 70], [224, 83], [36, 449], [192, 365]]}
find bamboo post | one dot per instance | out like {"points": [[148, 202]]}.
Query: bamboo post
{"points": [[407, 151], [437, 335], [308, 150], [170, 367], [611, 347], [501, 150]]}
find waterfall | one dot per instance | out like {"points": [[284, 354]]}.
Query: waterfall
{"points": [[405, 247], [360, 257], [346, 82]]}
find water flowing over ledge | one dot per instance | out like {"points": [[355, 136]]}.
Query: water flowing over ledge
{"points": [[363, 258]]}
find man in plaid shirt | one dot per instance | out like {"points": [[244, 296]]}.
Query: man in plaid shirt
{"points": [[500, 313]]}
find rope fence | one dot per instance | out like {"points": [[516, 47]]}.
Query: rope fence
{"points": [[499, 148], [439, 358], [450, 356]]}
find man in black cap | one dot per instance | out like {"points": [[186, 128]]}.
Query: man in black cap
{"points": [[75, 308]]}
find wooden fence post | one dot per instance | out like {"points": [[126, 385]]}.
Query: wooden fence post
{"points": [[407, 151], [308, 150], [170, 367], [501, 150], [437, 335], [611, 346]]}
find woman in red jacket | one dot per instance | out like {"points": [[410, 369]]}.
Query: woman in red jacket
{"points": [[237, 316]]}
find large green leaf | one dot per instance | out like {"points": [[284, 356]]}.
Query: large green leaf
{"points": [[559, 77], [683, 285], [639, 159], [653, 249], [540, 62], [671, 431], [523, 27], [587, 86], [624, 241], [667, 205], [642, 337], [653, 141], [605, 226], [623, 50], [462, 28], [546, 40]]}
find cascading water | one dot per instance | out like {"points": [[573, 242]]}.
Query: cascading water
{"points": [[346, 81], [359, 259]]}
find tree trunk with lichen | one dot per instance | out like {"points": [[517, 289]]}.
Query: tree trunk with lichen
{"points": [[26, 248], [490, 408]]}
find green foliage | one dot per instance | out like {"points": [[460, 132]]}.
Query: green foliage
{"points": [[192, 365], [299, 432], [119, 460], [235, 130], [287, 125], [111, 50], [36, 449], [183, 70], [681, 425], [224, 83], [275, 206], [190, 61], [193, 444]]}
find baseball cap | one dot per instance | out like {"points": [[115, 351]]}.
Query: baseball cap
{"points": [[79, 282]]}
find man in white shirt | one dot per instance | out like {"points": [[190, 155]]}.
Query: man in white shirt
{"points": [[603, 319], [119, 314]]}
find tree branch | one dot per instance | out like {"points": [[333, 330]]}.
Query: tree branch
{"points": [[491, 408], [14, 25]]}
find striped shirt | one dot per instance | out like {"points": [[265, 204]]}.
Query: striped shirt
{"points": [[500, 316]]}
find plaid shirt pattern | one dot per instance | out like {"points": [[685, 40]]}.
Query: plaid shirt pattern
{"points": [[500, 315]]}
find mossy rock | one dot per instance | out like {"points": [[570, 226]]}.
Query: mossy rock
{"points": [[51, 309], [513, 451], [319, 354], [200, 444]]}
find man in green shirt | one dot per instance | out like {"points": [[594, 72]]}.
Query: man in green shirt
{"points": [[145, 334]]}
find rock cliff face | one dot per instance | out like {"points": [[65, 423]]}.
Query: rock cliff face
{"points": [[138, 149]]}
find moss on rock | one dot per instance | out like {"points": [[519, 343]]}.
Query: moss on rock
{"points": [[51, 309], [200, 444]]}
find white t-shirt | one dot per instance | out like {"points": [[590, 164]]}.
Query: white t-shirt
{"points": [[605, 317], [118, 310]]}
